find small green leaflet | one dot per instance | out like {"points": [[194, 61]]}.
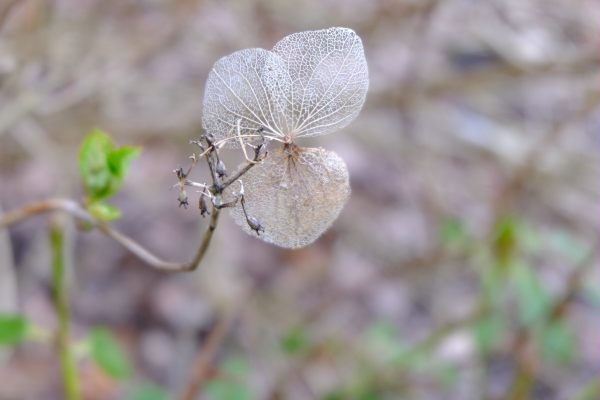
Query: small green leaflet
{"points": [[107, 353], [13, 329], [103, 167], [148, 391]]}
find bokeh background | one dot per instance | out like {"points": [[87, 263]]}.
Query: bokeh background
{"points": [[463, 267]]}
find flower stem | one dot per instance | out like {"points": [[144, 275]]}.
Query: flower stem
{"points": [[61, 303]]}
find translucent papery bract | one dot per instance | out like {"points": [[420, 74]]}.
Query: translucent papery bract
{"points": [[244, 86], [329, 79], [296, 194]]}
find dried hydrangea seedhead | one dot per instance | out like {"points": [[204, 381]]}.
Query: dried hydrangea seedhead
{"points": [[311, 83], [296, 194]]}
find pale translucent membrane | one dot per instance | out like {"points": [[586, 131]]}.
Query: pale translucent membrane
{"points": [[244, 86], [296, 194], [328, 79], [312, 83]]}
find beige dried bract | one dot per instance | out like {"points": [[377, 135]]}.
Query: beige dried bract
{"points": [[296, 193], [242, 87], [311, 83], [328, 80]]}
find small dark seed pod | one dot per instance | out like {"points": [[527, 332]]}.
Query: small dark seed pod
{"points": [[183, 199], [220, 169], [179, 173], [255, 225], [202, 206]]}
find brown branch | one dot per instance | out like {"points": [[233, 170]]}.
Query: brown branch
{"points": [[74, 209], [495, 75], [237, 175], [205, 357], [528, 168], [522, 343], [6, 10], [258, 157]]}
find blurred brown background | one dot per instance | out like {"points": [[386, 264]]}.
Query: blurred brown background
{"points": [[459, 269]]}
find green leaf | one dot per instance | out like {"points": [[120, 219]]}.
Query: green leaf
{"points": [[368, 393], [506, 240], [223, 390], [295, 341], [591, 293], [493, 284], [104, 211], [102, 166], [488, 331], [453, 233], [533, 299], [568, 245], [382, 340], [107, 353], [233, 385], [93, 164], [119, 160], [13, 329], [558, 342], [448, 375], [149, 392], [590, 391], [336, 394]]}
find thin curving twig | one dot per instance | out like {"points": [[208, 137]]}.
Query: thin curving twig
{"points": [[74, 209], [526, 369], [204, 359]]}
